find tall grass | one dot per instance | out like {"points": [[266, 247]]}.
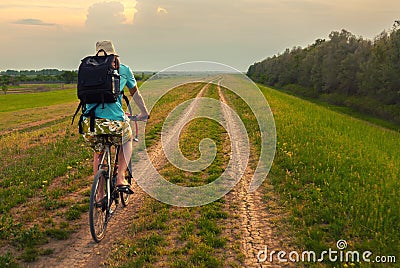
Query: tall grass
{"points": [[339, 177]]}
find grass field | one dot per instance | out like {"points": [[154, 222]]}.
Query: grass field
{"points": [[16, 102], [336, 177], [42, 174], [339, 177]]}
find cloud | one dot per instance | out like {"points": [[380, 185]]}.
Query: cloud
{"points": [[162, 10], [35, 22], [105, 15], [24, 6]]}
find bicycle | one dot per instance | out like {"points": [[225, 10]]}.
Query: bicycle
{"points": [[104, 193], [104, 197]]}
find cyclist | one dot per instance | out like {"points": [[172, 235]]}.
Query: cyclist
{"points": [[112, 120]]}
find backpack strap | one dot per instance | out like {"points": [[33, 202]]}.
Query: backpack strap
{"points": [[76, 112], [80, 125], [102, 101], [92, 115], [101, 50]]}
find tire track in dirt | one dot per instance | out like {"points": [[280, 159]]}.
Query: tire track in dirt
{"points": [[254, 220], [80, 250]]}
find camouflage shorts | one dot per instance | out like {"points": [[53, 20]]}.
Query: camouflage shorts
{"points": [[119, 132]]}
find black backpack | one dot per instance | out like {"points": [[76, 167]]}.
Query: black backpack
{"points": [[98, 82]]}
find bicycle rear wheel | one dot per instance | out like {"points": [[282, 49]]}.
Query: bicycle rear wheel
{"points": [[98, 206]]}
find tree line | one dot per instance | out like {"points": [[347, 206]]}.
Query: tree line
{"points": [[11, 77], [52, 72], [15, 77], [343, 70]]}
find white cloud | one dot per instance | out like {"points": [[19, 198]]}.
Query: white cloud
{"points": [[105, 15], [162, 10]]}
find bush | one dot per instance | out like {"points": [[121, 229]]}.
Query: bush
{"points": [[334, 98], [300, 90]]}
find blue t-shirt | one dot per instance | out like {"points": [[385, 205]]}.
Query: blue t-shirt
{"points": [[114, 111]]}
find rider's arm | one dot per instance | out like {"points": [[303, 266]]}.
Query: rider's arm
{"points": [[139, 102], [133, 90]]}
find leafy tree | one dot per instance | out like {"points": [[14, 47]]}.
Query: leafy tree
{"points": [[69, 77], [4, 87], [345, 69]]}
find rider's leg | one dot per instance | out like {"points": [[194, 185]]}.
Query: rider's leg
{"points": [[126, 150], [96, 161]]}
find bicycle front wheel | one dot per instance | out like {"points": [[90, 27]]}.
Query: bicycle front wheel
{"points": [[98, 206]]}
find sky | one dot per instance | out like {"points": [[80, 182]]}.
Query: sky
{"points": [[151, 35]]}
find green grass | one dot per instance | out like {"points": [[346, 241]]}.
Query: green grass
{"points": [[339, 177], [345, 110], [31, 164], [16, 102], [7, 260], [21, 179], [74, 212]]}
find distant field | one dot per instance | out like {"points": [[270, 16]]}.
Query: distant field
{"points": [[37, 95], [38, 87], [15, 102]]}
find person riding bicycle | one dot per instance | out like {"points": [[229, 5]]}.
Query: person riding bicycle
{"points": [[111, 119]]}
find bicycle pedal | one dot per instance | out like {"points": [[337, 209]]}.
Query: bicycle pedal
{"points": [[126, 189]]}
